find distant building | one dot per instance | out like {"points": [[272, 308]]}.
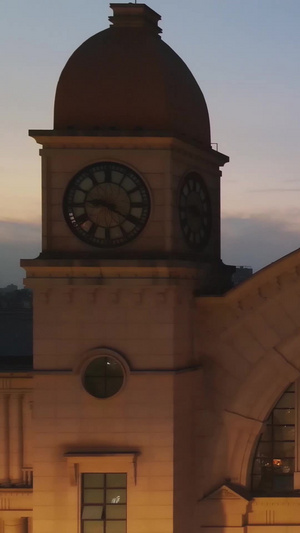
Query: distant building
{"points": [[15, 322], [241, 274]]}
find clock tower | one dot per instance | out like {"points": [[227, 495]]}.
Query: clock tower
{"points": [[130, 231], [128, 170]]}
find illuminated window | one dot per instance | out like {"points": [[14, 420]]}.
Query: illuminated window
{"points": [[274, 461], [104, 503]]}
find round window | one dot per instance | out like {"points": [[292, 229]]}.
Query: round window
{"points": [[103, 377]]}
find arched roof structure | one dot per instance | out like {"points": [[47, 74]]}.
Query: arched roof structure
{"points": [[251, 338]]}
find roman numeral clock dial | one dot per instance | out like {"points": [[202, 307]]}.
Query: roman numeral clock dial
{"points": [[106, 204], [195, 211]]}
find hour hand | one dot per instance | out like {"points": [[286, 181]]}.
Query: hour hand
{"points": [[97, 202]]}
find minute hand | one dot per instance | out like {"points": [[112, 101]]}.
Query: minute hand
{"points": [[129, 217]]}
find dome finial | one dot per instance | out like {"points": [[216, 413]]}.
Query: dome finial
{"points": [[136, 16]]}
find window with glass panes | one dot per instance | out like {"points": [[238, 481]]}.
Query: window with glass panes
{"points": [[103, 377], [104, 503], [274, 461]]}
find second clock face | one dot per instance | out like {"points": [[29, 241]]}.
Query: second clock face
{"points": [[106, 204], [195, 211]]}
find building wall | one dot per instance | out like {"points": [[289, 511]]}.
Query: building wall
{"points": [[190, 431], [16, 431], [16, 460], [145, 326], [161, 162], [250, 342]]}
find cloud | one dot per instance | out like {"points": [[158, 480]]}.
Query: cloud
{"points": [[273, 190], [19, 231], [257, 240]]}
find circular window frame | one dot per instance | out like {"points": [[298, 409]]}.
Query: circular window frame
{"points": [[99, 353]]}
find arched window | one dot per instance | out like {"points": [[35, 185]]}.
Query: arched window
{"points": [[274, 461]]}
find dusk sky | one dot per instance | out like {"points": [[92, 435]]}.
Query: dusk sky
{"points": [[244, 55]]}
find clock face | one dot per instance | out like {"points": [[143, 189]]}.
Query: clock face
{"points": [[195, 211], [106, 204]]}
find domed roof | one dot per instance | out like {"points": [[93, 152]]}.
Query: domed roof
{"points": [[126, 78]]}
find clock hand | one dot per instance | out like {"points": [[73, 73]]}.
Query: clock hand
{"points": [[97, 202], [114, 210], [131, 218]]}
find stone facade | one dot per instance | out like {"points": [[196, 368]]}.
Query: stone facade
{"points": [[201, 367]]}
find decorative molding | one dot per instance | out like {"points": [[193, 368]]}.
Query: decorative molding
{"points": [[73, 473], [225, 492], [53, 140], [276, 502], [258, 291], [105, 461], [270, 516], [8, 387], [5, 383], [146, 294], [70, 371], [4, 503], [124, 273], [174, 371], [226, 313], [27, 476]]}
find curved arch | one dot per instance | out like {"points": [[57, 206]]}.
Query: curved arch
{"points": [[252, 343]]}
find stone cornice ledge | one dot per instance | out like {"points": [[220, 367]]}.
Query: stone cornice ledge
{"points": [[161, 140], [15, 491], [98, 272]]}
